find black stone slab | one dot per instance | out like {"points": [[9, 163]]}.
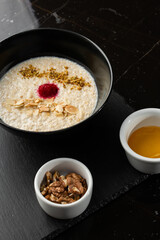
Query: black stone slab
{"points": [[97, 146]]}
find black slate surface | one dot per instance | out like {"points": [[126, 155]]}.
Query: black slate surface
{"points": [[97, 146]]}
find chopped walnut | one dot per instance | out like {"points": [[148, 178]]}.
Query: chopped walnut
{"points": [[63, 189], [55, 176], [48, 177]]}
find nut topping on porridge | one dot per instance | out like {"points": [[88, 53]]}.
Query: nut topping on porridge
{"points": [[63, 189], [19, 103], [61, 77], [60, 109]]}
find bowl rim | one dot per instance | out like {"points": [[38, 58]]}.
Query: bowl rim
{"points": [[61, 159], [80, 36], [122, 135]]}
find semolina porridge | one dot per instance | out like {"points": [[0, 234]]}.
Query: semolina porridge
{"points": [[47, 94]]}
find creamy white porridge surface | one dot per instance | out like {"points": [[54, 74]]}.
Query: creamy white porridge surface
{"points": [[46, 94]]}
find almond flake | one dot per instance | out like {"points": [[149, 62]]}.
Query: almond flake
{"points": [[19, 102], [59, 108], [71, 109], [44, 109], [52, 109], [38, 100], [31, 104]]}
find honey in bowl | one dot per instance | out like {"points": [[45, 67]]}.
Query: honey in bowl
{"points": [[146, 141]]}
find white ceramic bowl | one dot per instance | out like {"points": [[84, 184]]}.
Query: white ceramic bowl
{"points": [[138, 119], [64, 166]]}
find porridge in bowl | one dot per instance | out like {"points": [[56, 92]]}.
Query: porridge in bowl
{"points": [[47, 94]]}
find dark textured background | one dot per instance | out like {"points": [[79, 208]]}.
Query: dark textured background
{"points": [[128, 32]]}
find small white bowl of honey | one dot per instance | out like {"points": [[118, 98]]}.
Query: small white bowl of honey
{"points": [[140, 138]]}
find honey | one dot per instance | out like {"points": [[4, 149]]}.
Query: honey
{"points": [[146, 141]]}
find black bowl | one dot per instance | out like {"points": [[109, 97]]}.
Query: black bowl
{"points": [[61, 43]]}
